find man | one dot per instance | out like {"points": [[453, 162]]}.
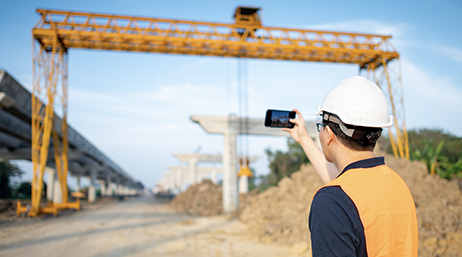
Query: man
{"points": [[365, 208]]}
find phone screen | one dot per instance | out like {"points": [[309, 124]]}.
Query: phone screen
{"points": [[279, 118]]}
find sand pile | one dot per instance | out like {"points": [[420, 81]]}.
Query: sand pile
{"points": [[201, 199], [280, 213]]}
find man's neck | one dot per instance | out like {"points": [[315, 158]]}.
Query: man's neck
{"points": [[345, 156]]}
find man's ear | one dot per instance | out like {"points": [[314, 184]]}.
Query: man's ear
{"points": [[330, 135]]}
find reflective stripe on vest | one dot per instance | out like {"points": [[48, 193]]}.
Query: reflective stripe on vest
{"points": [[386, 208]]}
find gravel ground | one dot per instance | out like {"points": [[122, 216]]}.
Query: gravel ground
{"points": [[135, 227]]}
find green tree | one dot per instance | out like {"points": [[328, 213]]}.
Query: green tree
{"points": [[7, 172], [283, 164], [24, 190]]}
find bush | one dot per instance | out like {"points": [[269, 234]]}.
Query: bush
{"points": [[8, 171], [439, 150]]}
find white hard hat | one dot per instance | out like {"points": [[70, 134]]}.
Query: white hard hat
{"points": [[358, 101]]}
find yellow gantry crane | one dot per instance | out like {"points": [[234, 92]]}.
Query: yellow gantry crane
{"points": [[58, 31]]}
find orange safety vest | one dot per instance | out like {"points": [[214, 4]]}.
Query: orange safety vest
{"points": [[385, 207]]}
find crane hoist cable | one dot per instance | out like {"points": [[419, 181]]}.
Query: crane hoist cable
{"points": [[243, 119]]}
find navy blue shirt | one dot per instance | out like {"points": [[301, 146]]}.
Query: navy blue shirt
{"points": [[334, 223]]}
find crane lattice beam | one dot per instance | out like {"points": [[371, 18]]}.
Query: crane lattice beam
{"points": [[141, 34]]}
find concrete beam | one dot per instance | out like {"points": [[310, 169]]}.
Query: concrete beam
{"points": [[25, 153], [255, 126]]}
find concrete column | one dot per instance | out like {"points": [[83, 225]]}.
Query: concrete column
{"points": [[193, 171], [57, 196], [179, 180], [77, 187], [119, 188], [243, 184], [230, 193], [184, 177], [51, 182], [214, 176], [202, 176], [109, 185], [103, 188], [92, 187]]}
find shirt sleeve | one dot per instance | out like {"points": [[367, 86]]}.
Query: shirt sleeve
{"points": [[335, 226]]}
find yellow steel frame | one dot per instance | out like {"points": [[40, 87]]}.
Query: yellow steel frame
{"points": [[126, 33], [388, 77], [57, 31], [49, 71]]}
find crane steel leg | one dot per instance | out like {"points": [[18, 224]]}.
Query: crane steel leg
{"points": [[389, 76], [49, 70]]}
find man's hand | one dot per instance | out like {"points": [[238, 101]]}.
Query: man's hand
{"points": [[299, 132]]}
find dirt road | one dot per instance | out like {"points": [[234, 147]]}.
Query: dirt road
{"points": [[136, 227]]}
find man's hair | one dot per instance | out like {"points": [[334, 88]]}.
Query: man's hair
{"points": [[353, 144]]}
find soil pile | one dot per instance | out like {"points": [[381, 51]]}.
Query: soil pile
{"points": [[438, 205], [206, 199], [280, 213], [201, 199]]}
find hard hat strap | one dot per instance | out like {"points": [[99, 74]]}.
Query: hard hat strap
{"points": [[356, 132]]}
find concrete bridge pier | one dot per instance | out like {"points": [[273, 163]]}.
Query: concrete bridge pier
{"points": [[109, 185], [193, 171], [119, 188], [92, 187], [103, 187], [230, 193], [213, 177], [77, 187], [50, 184], [57, 195], [178, 180], [243, 184]]}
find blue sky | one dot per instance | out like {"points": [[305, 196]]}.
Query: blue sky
{"points": [[135, 107]]}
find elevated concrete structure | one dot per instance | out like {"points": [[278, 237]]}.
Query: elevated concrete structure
{"points": [[182, 175], [230, 127], [16, 135], [193, 159]]}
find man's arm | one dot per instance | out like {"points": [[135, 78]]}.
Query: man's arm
{"points": [[326, 170]]}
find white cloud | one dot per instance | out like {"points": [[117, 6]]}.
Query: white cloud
{"points": [[451, 52], [397, 30], [431, 101]]}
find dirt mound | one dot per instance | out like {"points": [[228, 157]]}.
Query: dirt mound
{"points": [[280, 213], [438, 205], [201, 199]]}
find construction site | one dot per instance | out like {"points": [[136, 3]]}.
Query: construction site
{"points": [[81, 202]]}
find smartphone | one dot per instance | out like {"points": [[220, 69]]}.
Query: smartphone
{"points": [[279, 118]]}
